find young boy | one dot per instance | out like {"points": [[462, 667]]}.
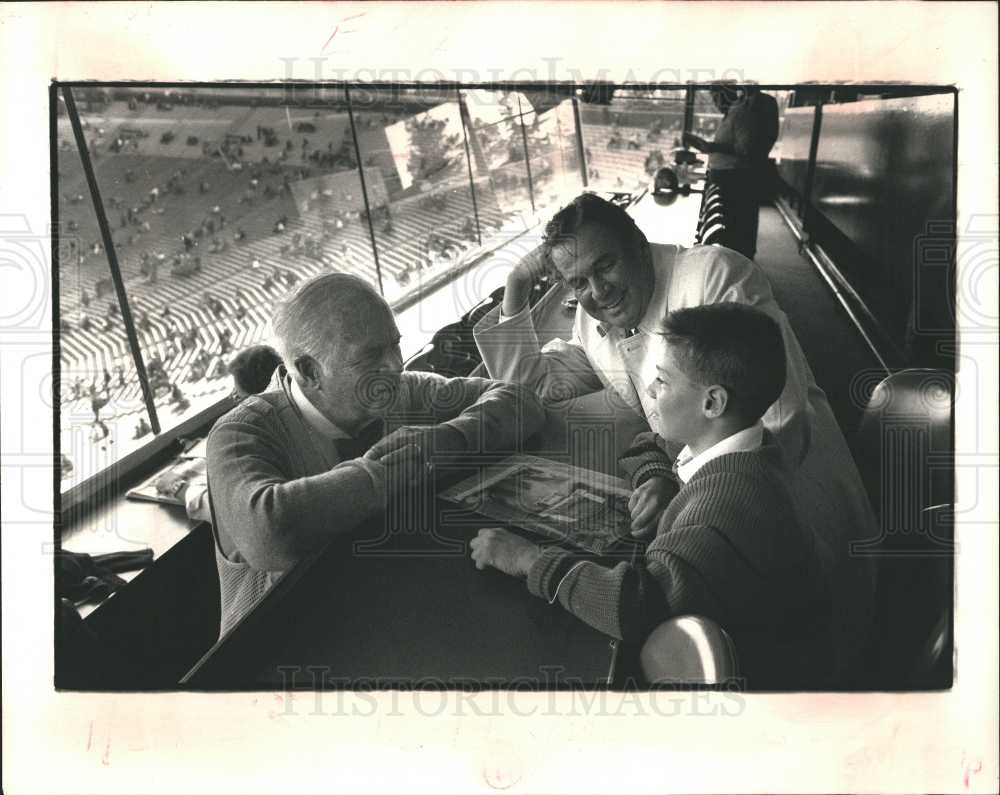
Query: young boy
{"points": [[729, 545]]}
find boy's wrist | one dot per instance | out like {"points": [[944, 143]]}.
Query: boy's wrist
{"points": [[527, 558], [650, 470]]}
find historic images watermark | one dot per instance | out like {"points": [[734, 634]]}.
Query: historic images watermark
{"points": [[25, 332], [549, 74], [550, 694]]}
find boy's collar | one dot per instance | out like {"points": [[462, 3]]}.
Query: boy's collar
{"points": [[745, 440]]}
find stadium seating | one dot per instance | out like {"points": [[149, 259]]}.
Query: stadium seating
{"points": [[712, 221]]}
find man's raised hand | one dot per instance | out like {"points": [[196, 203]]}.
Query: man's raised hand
{"points": [[522, 278]]}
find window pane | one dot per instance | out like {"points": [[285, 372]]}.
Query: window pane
{"points": [[413, 146], [498, 149], [555, 159], [101, 410], [782, 98], [220, 201], [627, 140]]}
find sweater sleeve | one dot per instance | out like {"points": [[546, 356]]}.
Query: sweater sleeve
{"points": [[645, 459], [692, 570], [275, 520], [624, 601], [492, 416]]}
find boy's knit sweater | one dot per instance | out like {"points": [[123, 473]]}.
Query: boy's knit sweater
{"points": [[729, 547]]}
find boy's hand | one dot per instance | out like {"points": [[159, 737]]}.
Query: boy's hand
{"points": [[647, 504], [172, 483], [503, 550]]}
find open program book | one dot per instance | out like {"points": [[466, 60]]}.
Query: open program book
{"points": [[581, 507], [156, 488]]}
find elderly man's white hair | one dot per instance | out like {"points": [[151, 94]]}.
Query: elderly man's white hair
{"points": [[324, 315]]}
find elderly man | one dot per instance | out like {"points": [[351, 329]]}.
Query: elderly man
{"points": [[292, 467], [625, 287]]}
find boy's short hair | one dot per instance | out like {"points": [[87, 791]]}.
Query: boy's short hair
{"points": [[253, 367], [732, 345]]}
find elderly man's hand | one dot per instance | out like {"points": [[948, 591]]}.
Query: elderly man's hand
{"points": [[402, 467], [428, 442], [503, 550]]}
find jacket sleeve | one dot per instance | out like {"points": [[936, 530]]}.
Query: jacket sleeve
{"points": [[729, 276], [275, 520], [511, 352], [492, 416]]}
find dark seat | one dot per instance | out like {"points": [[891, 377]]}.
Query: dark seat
{"points": [[452, 350], [903, 446], [689, 650], [915, 601], [904, 451]]}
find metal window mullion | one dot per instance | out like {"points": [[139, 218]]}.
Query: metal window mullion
{"points": [[579, 140], [57, 522], [527, 155], [808, 221], [689, 108], [109, 248], [364, 188], [462, 113]]}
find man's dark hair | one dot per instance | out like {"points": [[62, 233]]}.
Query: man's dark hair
{"points": [[732, 345], [253, 367], [589, 208]]}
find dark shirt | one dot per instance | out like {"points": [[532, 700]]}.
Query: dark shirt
{"points": [[746, 134]]}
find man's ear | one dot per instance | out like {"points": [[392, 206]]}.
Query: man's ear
{"points": [[310, 370], [716, 400]]}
